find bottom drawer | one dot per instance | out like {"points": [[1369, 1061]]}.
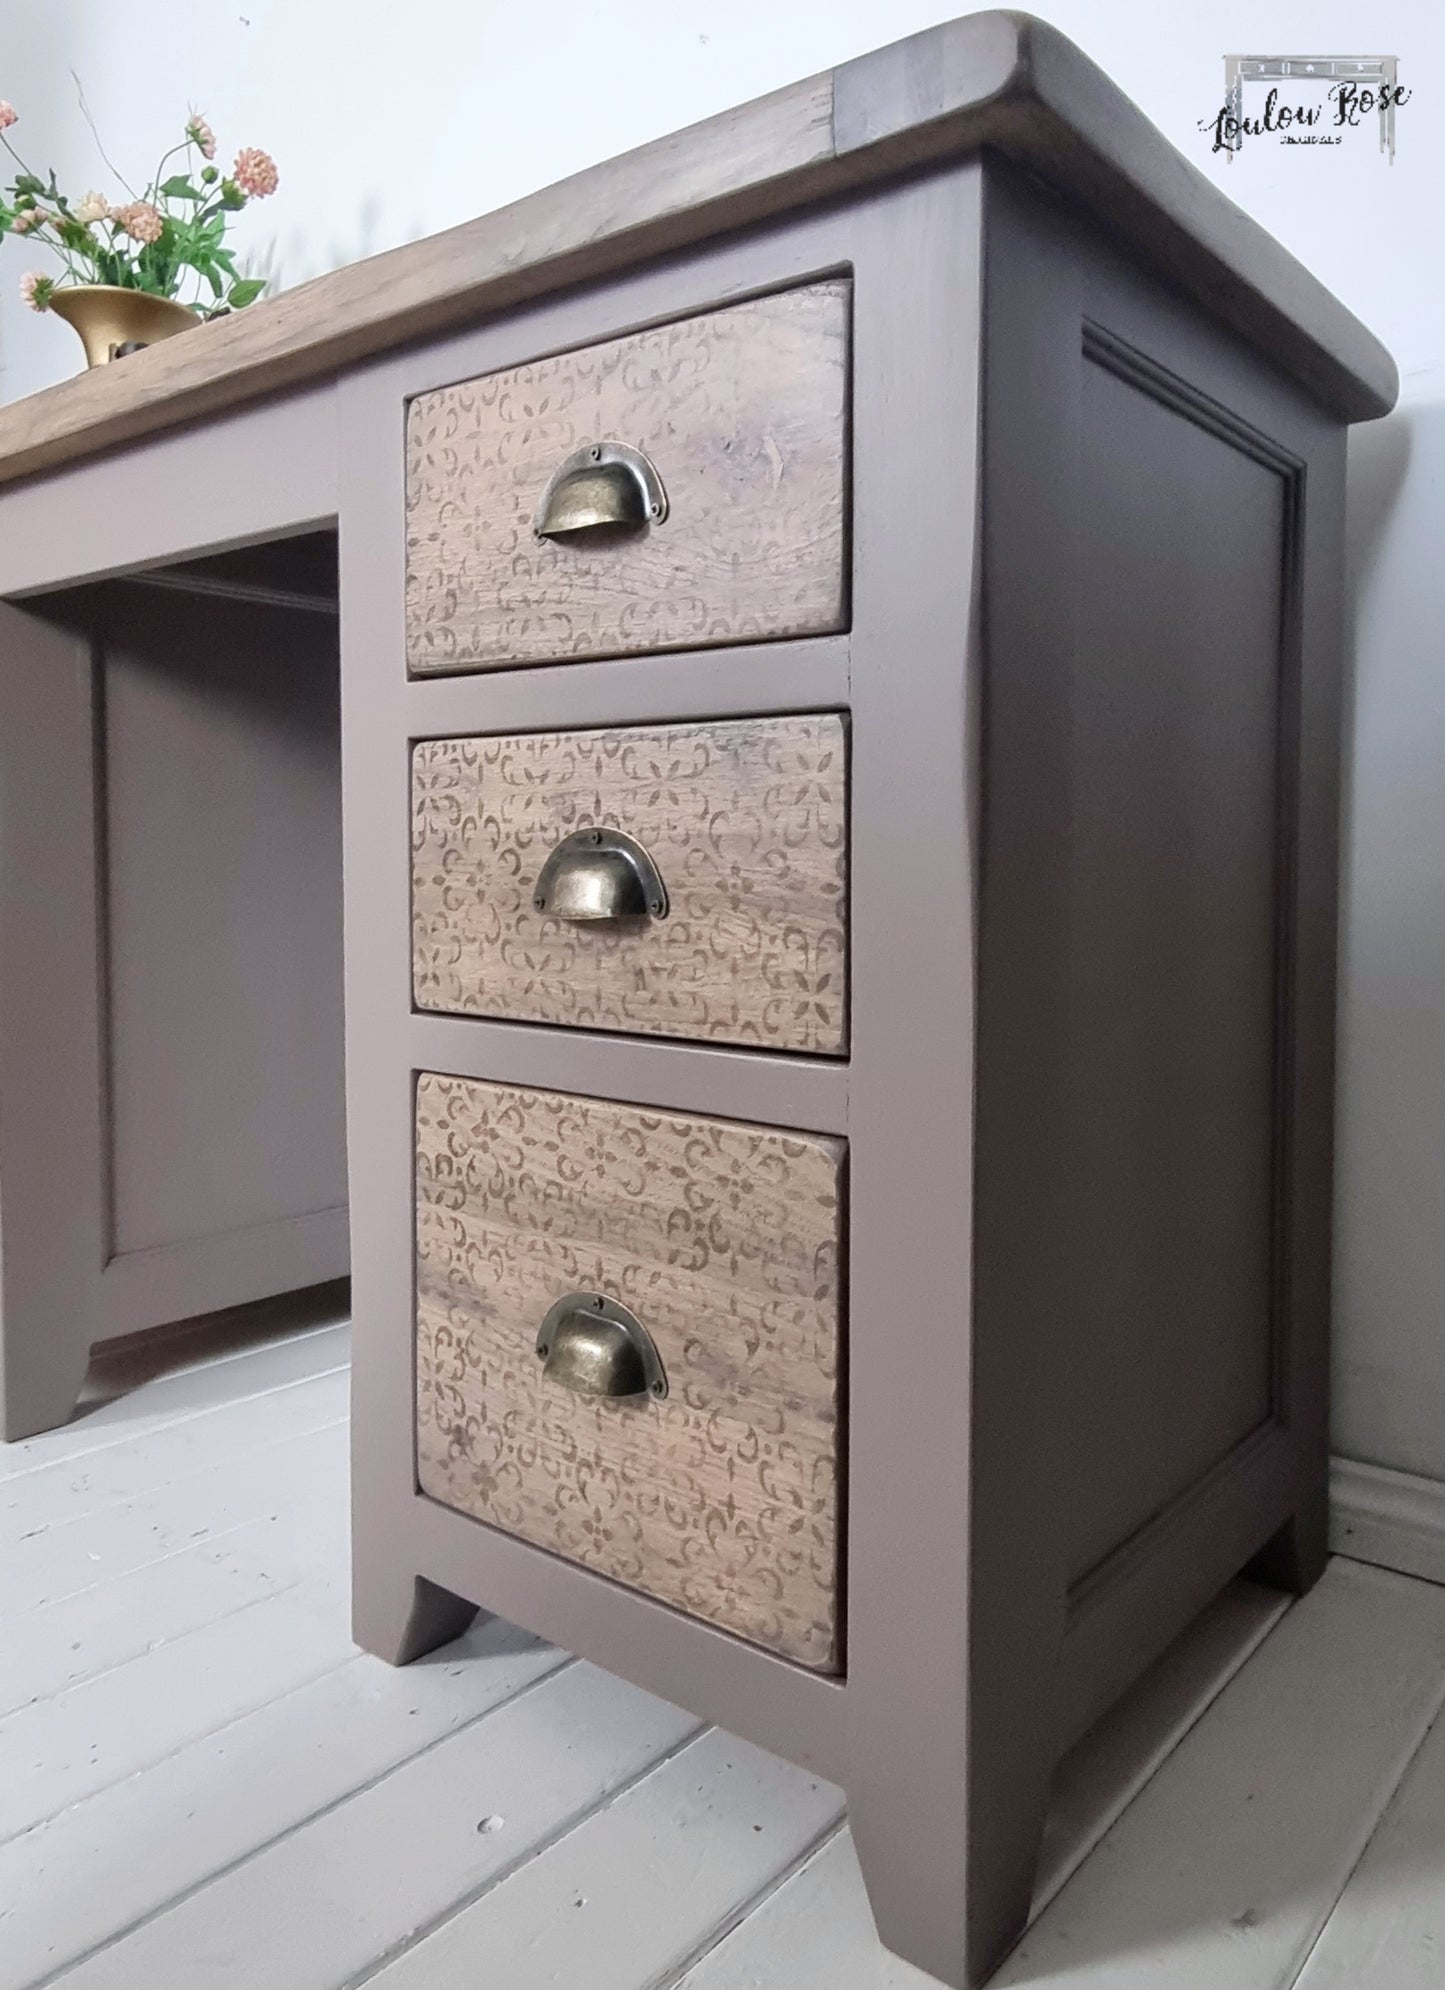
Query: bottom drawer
{"points": [[722, 1242]]}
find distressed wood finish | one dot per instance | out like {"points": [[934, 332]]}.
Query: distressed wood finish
{"points": [[742, 411], [747, 823], [724, 1239]]}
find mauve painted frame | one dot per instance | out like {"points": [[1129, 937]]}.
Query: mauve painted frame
{"points": [[970, 1662], [972, 1658]]}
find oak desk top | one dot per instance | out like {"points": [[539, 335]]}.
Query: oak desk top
{"points": [[997, 79]]}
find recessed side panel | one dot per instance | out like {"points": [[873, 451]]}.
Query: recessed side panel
{"points": [[223, 915], [1179, 818]]}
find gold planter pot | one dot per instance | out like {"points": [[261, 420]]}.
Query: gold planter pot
{"points": [[111, 321]]}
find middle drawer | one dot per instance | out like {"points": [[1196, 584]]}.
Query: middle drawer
{"points": [[539, 862]]}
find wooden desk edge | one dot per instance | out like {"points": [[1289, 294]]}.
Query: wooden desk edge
{"points": [[995, 79]]}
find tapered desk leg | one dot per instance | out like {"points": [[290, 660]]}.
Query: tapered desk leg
{"points": [[40, 1378], [400, 1619], [948, 1887]]}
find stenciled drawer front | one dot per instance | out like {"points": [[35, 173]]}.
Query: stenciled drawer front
{"points": [[744, 826], [714, 510], [721, 1242]]}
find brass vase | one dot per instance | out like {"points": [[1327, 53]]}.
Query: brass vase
{"points": [[112, 322]]}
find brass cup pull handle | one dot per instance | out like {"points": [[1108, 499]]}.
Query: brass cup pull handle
{"points": [[600, 874], [595, 1347], [602, 483]]}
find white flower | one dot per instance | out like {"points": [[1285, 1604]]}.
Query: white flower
{"points": [[95, 207]]}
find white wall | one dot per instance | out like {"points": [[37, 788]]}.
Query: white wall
{"points": [[391, 121]]}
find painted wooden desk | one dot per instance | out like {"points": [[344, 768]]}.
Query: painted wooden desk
{"points": [[838, 736]]}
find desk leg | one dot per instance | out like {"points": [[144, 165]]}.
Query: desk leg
{"points": [[400, 1617], [1294, 1558], [51, 1151]]}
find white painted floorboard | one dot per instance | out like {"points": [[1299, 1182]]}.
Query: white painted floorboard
{"points": [[202, 1782], [97, 1628], [1388, 1930], [127, 1471], [54, 1563], [107, 1865], [364, 1879]]}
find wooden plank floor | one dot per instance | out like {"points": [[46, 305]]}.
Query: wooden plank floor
{"points": [[202, 1781]]}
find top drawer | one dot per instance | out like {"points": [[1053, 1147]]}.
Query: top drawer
{"points": [[742, 414]]}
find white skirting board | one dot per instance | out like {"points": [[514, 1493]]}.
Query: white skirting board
{"points": [[1391, 1518]]}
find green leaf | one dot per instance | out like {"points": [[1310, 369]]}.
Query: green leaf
{"points": [[180, 188], [156, 268], [213, 277], [245, 292], [27, 183]]}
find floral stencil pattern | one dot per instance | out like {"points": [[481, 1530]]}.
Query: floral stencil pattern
{"points": [[724, 1239], [743, 414], [747, 823]]}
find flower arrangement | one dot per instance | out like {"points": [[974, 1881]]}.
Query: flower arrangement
{"points": [[161, 241]]}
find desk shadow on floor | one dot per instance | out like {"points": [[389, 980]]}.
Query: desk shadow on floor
{"points": [[120, 1367]]}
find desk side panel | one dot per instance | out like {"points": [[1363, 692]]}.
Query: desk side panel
{"points": [[222, 809], [1157, 946]]}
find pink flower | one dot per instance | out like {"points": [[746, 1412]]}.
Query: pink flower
{"points": [[201, 135], [28, 218], [35, 289], [8, 115], [255, 172], [140, 221]]}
